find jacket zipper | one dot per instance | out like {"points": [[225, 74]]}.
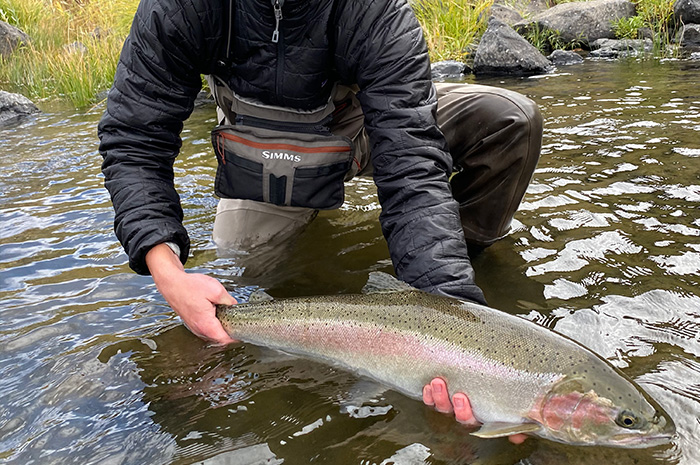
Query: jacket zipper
{"points": [[319, 128], [278, 38], [277, 7]]}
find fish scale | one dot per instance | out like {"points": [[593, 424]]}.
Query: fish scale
{"points": [[519, 376]]}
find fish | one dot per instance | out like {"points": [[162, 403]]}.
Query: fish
{"points": [[520, 377]]}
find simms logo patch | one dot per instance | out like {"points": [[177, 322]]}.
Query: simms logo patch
{"points": [[267, 155]]}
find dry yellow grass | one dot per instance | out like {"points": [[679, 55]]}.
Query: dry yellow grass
{"points": [[74, 46]]}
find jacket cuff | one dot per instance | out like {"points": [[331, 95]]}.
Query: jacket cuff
{"points": [[137, 257], [174, 247]]}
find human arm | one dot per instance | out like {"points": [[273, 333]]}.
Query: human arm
{"points": [[192, 296], [386, 54], [156, 82]]}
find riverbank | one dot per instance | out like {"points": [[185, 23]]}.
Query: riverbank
{"points": [[72, 50], [73, 45]]}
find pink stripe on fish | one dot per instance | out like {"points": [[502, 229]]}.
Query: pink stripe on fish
{"points": [[346, 338]]}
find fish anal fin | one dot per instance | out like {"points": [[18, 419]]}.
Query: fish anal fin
{"points": [[380, 282], [499, 430], [259, 296]]}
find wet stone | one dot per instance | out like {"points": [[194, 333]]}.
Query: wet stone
{"points": [[565, 58], [448, 69], [14, 108], [611, 48], [502, 51]]}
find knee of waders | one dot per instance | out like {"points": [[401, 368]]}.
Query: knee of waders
{"points": [[518, 114]]}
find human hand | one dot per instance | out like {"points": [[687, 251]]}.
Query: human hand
{"points": [[192, 296], [435, 394]]}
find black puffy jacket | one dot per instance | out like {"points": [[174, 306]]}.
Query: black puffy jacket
{"points": [[376, 44]]}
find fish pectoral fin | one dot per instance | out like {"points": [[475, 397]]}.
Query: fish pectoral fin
{"points": [[259, 296], [380, 282], [364, 391], [499, 430]]}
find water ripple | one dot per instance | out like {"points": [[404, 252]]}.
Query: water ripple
{"points": [[96, 368]]}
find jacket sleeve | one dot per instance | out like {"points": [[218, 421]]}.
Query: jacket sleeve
{"points": [[156, 82], [388, 57]]}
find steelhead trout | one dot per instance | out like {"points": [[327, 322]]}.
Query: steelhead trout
{"points": [[520, 377]]}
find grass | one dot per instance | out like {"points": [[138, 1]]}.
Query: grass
{"points": [[546, 40], [74, 47], [654, 15], [452, 27]]}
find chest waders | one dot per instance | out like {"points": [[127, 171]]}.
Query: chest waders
{"points": [[278, 166]]}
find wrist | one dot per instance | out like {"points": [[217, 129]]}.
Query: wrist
{"points": [[162, 262]]}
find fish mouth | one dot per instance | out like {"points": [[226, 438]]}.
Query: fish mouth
{"points": [[641, 440]]}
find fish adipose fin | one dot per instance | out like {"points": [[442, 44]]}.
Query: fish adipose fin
{"points": [[380, 282], [499, 430], [259, 296]]}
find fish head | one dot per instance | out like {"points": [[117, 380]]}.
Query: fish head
{"points": [[609, 410]]}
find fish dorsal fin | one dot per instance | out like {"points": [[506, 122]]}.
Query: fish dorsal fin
{"points": [[259, 296], [380, 282], [499, 430]]}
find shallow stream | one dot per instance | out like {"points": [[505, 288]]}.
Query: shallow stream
{"points": [[96, 369]]}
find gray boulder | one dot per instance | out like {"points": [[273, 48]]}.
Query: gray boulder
{"points": [[505, 14], [565, 58], [580, 22], [448, 69], [690, 36], [611, 48], [687, 11], [14, 108], [502, 51], [10, 38], [526, 7]]}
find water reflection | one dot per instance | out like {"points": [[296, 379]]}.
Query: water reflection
{"points": [[95, 368]]}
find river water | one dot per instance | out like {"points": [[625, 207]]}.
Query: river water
{"points": [[95, 367]]}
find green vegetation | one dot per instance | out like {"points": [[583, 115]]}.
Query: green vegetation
{"points": [[545, 40], [628, 28], [452, 27], [656, 16], [74, 47]]}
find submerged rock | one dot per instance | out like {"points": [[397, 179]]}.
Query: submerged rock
{"points": [[503, 51], [579, 22], [14, 108]]}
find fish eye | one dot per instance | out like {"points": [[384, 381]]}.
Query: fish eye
{"points": [[627, 419]]}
